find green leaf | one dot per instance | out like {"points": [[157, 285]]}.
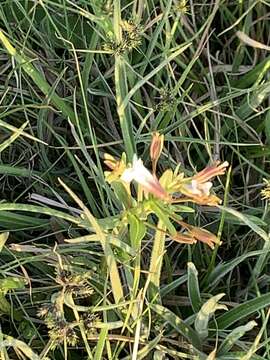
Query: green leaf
{"points": [[162, 215], [234, 336], [137, 230], [113, 240], [11, 283], [121, 193], [224, 268], [251, 77], [145, 350], [101, 343], [241, 311], [5, 306], [156, 262], [178, 324], [31, 71], [207, 310], [3, 238], [182, 208], [115, 279], [193, 287], [246, 220], [267, 126], [253, 101], [141, 82], [165, 290]]}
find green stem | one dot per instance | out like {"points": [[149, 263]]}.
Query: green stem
{"points": [[156, 262]]}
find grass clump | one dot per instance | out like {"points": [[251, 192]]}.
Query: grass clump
{"points": [[135, 179]]}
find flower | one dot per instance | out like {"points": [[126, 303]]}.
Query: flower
{"points": [[182, 7], [197, 188], [156, 149], [142, 176], [210, 172]]}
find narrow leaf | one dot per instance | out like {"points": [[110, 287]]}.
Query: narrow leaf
{"points": [[178, 324], [241, 311], [3, 238], [235, 335], [193, 287]]}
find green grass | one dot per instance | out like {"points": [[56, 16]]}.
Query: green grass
{"points": [[83, 78]]}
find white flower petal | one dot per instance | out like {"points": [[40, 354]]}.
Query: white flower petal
{"points": [[143, 176], [206, 187], [128, 175]]}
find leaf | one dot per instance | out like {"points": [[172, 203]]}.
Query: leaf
{"points": [[121, 193], [251, 42], [161, 214], [141, 82], [178, 324], [250, 105], [5, 306], [38, 79], [246, 220], [207, 310], [165, 290], [252, 76], [137, 230], [193, 287], [241, 311], [116, 285], [224, 268], [144, 351], [3, 238], [234, 336], [267, 126], [183, 208], [156, 262], [101, 343], [113, 240], [19, 345], [166, 178], [231, 219], [10, 283]]}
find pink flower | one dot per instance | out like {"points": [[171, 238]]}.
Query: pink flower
{"points": [[197, 188]]}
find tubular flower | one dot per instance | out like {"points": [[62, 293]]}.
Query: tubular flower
{"points": [[197, 188], [211, 171], [156, 149], [117, 167], [184, 238], [142, 176], [199, 234]]}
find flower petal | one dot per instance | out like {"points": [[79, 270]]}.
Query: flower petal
{"points": [[211, 171], [142, 176], [128, 175]]}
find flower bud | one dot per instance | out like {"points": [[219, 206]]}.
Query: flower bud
{"points": [[200, 234], [156, 149]]}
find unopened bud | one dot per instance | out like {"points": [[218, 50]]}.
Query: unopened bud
{"points": [[156, 149]]}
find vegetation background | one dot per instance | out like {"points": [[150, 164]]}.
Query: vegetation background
{"points": [[87, 77]]}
